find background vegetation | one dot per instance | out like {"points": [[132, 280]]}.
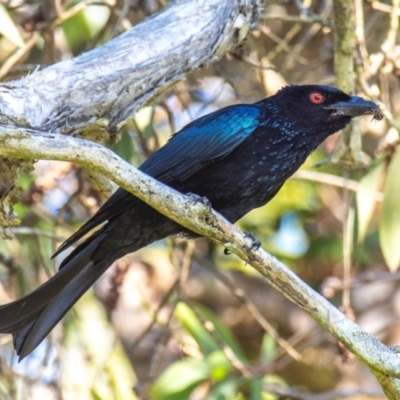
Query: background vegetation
{"points": [[181, 320]]}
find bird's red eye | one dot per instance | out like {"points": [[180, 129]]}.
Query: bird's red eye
{"points": [[317, 98]]}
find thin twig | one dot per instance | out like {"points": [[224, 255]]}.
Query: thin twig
{"points": [[25, 230], [229, 353], [246, 302], [328, 179], [377, 5], [282, 43], [347, 246], [186, 262], [295, 18], [156, 313], [18, 55]]}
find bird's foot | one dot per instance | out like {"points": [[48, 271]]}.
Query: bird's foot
{"points": [[200, 199], [255, 243]]}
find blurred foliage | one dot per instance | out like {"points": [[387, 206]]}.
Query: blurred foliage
{"points": [[184, 320], [389, 227], [222, 353]]}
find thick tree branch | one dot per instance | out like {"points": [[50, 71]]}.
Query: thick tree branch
{"points": [[196, 217], [105, 86]]}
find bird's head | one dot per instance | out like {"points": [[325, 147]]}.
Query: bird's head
{"points": [[319, 110]]}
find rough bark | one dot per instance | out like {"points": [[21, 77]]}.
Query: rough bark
{"points": [[108, 84], [350, 153]]}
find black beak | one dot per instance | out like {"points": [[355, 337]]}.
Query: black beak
{"points": [[356, 107]]}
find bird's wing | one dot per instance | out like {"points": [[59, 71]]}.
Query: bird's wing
{"points": [[203, 141], [114, 206]]}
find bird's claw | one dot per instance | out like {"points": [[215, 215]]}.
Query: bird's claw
{"points": [[255, 243], [200, 199]]}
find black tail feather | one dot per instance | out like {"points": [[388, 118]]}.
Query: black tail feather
{"points": [[19, 337], [31, 318], [49, 303], [30, 336]]}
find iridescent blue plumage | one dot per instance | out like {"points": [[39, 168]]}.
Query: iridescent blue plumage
{"points": [[237, 157], [203, 141]]}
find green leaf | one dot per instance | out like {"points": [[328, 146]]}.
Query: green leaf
{"points": [[124, 147], [225, 390], [352, 228], [8, 28], [120, 375], [224, 334], [96, 17], [272, 379], [196, 328], [219, 365], [77, 32], [268, 349], [95, 395], [256, 388], [366, 195], [144, 117], [180, 379], [389, 226]]}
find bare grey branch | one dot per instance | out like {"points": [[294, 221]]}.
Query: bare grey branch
{"points": [[103, 87]]}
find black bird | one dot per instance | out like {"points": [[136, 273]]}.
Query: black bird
{"points": [[237, 157]]}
